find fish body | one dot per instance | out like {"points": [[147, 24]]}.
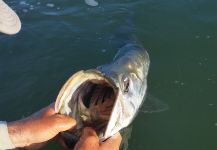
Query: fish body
{"points": [[107, 98]]}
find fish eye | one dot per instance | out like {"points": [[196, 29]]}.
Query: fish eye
{"points": [[125, 84]]}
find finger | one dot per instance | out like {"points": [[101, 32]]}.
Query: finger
{"points": [[113, 143], [89, 140], [44, 112], [62, 122], [49, 110]]}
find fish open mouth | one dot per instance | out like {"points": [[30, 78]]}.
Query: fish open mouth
{"points": [[96, 99], [89, 97]]}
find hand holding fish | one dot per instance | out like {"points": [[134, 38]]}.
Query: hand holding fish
{"points": [[33, 132], [90, 141]]}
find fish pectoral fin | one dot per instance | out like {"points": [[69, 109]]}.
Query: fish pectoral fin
{"points": [[153, 104]]}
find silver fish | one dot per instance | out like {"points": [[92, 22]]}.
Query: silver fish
{"points": [[107, 98]]}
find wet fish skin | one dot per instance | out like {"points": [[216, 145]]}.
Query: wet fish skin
{"points": [[129, 71], [126, 75]]}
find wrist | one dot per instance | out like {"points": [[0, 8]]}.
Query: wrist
{"points": [[18, 133], [5, 141]]}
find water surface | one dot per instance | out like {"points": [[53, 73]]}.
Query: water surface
{"points": [[59, 38]]}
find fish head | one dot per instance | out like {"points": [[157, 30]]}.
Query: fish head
{"points": [[129, 71], [107, 98]]}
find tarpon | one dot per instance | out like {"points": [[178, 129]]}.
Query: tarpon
{"points": [[107, 98]]}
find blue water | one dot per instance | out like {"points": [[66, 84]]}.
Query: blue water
{"points": [[59, 38]]}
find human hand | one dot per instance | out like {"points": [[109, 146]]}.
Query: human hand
{"points": [[36, 130], [90, 141]]}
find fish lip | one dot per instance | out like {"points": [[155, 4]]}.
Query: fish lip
{"points": [[102, 74]]}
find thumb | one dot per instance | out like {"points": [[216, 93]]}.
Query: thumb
{"points": [[62, 122], [113, 143], [89, 140]]}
